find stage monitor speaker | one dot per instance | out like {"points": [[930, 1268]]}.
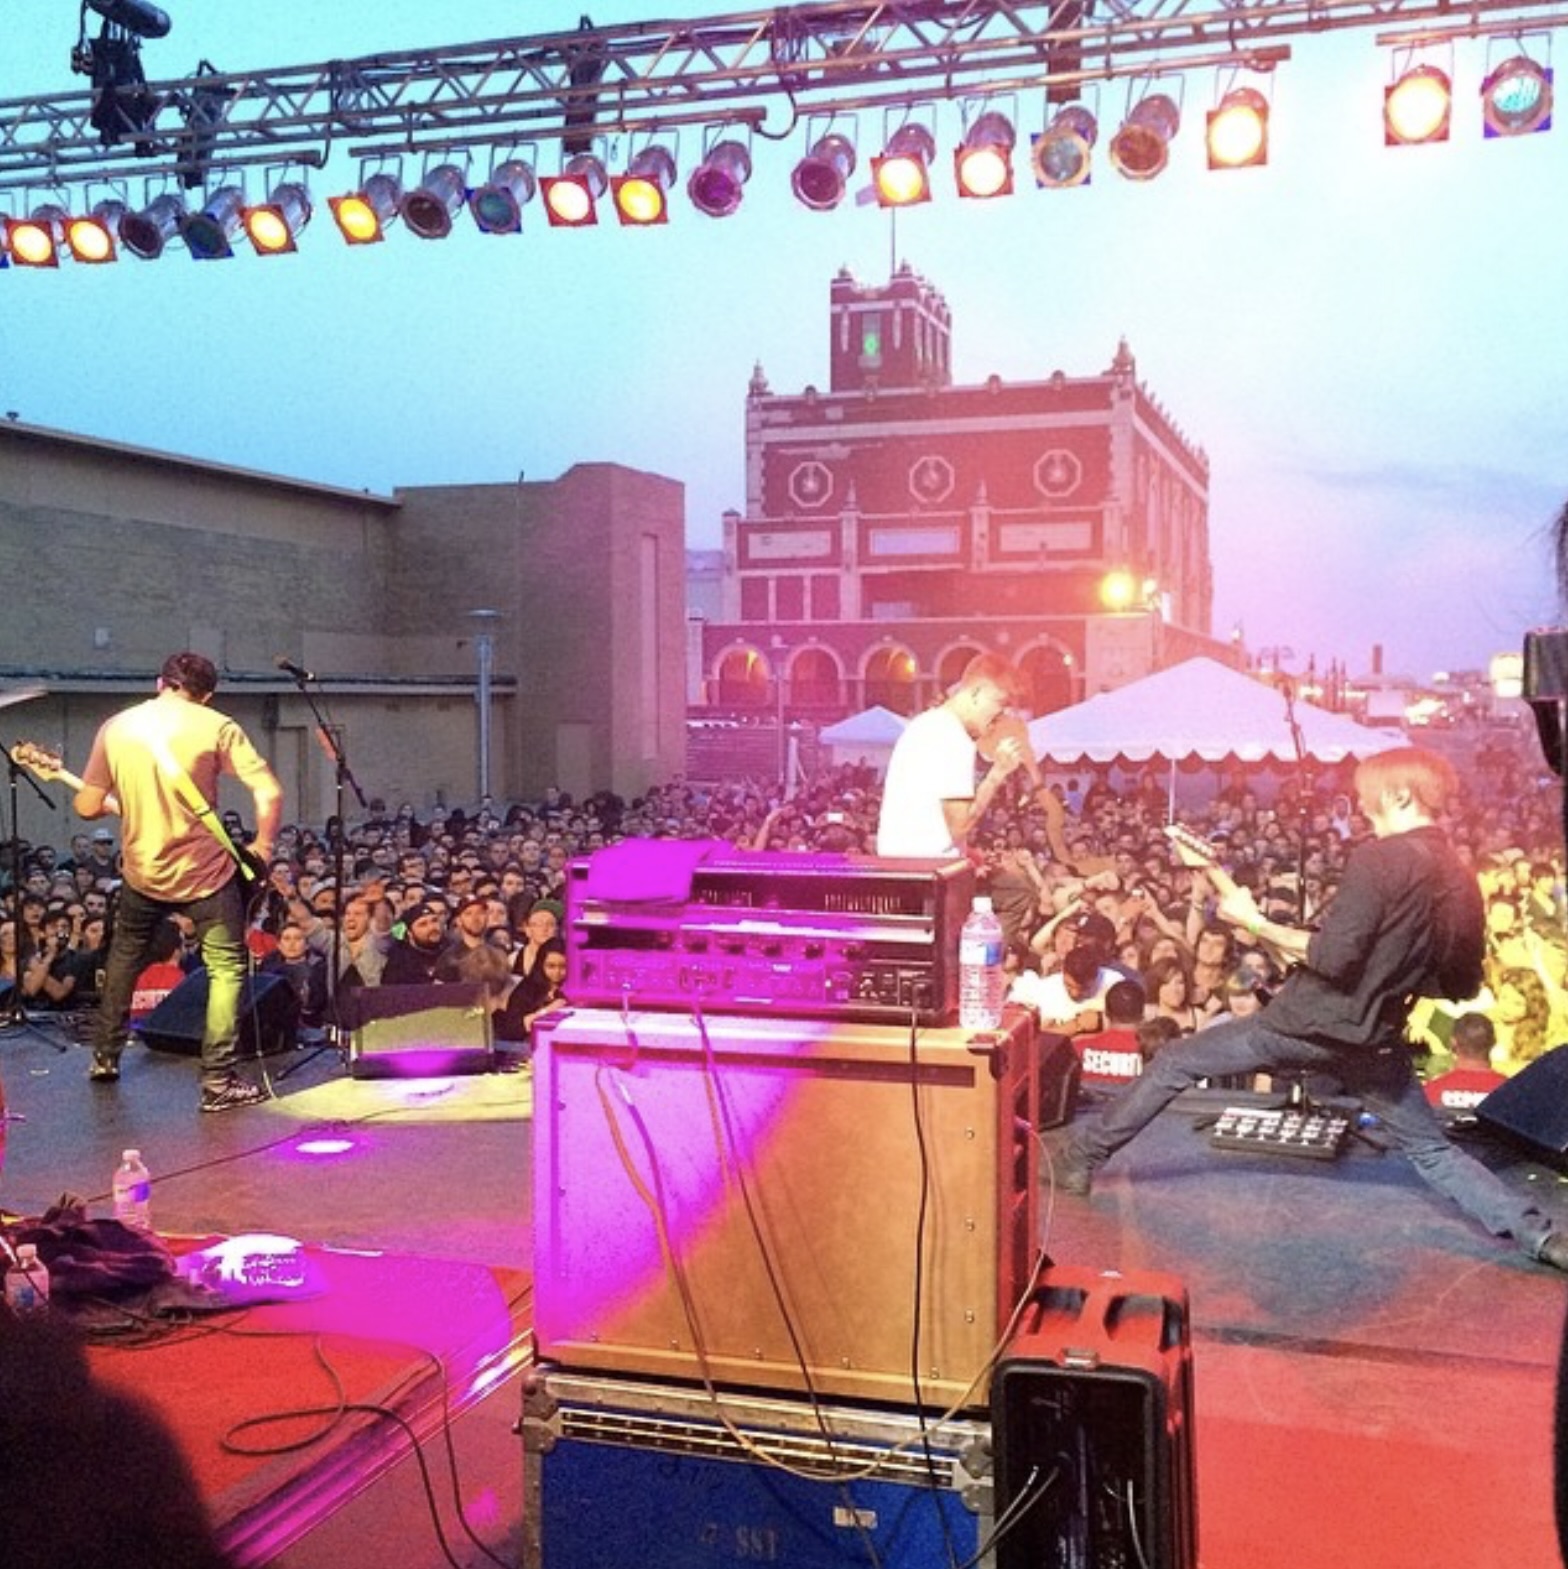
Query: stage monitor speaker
{"points": [[269, 1016], [1060, 1071], [411, 1032], [1532, 1107], [1093, 1394]]}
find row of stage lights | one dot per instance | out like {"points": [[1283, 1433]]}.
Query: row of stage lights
{"points": [[1516, 100]]}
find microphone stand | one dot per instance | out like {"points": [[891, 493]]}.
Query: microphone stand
{"points": [[12, 1014], [1299, 745], [331, 738]]}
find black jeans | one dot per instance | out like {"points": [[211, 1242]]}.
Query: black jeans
{"points": [[220, 929]]}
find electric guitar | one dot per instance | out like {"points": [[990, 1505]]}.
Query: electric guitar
{"points": [[1198, 854], [49, 767]]}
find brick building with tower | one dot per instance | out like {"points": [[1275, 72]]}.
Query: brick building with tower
{"points": [[897, 523]]}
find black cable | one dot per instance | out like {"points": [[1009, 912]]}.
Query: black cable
{"points": [[188, 1328], [934, 1481], [775, 1285]]}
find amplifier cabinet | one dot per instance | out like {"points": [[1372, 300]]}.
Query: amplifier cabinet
{"points": [[1092, 1416], [739, 1199], [665, 1476]]}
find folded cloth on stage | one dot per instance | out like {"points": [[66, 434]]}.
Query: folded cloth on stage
{"points": [[102, 1271]]}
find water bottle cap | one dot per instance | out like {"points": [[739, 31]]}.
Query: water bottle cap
{"points": [[131, 1156], [26, 1251], [982, 903]]}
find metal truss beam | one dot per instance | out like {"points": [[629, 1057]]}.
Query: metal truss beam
{"points": [[761, 69]]}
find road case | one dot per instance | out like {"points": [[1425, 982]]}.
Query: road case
{"points": [[664, 1476]]}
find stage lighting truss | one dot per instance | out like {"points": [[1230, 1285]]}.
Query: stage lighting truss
{"points": [[274, 225], [1142, 147], [209, 234], [1061, 152], [642, 194], [901, 172], [983, 161], [820, 180], [1516, 97], [364, 216], [1417, 107], [497, 205], [1236, 135], [428, 209], [718, 183], [145, 234], [571, 197]]}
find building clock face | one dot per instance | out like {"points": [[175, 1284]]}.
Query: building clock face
{"points": [[1057, 474], [811, 485], [930, 479]]}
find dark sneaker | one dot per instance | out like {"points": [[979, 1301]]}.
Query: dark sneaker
{"points": [[105, 1068], [1072, 1172], [231, 1095], [1553, 1252]]}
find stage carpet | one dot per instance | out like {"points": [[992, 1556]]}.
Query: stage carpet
{"points": [[287, 1409]]}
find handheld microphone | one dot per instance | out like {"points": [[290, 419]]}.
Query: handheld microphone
{"points": [[299, 672]]}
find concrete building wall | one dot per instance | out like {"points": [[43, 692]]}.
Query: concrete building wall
{"points": [[112, 557]]}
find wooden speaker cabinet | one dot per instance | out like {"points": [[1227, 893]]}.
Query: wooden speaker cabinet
{"points": [[740, 1199]]}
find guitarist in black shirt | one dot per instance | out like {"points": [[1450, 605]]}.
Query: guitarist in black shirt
{"points": [[1406, 923]]}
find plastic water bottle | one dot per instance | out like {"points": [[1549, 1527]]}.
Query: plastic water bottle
{"points": [[133, 1191], [982, 982], [27, 1282]]}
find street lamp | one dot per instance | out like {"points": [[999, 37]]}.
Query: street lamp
{"points": [[780, 654], [484, 651]]}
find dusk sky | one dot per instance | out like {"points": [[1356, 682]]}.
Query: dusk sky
{"points": [[1367, 342]]}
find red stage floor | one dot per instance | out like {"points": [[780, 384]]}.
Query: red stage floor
{"points": [[1374, 1375]]}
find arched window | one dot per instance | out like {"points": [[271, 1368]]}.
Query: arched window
{"points": [[1048, 679], [815, 680], [892, 680], [744, 679]]}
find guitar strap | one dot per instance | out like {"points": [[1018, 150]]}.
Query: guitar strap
{"points": [[184, 786]]}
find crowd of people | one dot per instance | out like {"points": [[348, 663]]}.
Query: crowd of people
{"points": [[478, 896]]}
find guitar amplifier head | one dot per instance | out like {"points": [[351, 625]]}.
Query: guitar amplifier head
{"points": [[656, 924]]}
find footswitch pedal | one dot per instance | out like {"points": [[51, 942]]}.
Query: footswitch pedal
{"points": [[1318, 1135]]}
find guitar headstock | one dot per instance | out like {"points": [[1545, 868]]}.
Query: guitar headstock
{"points": [[39, 760], [1191, 850]]}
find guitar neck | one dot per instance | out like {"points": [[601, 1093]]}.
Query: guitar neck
{"points": [[1203, 858]]}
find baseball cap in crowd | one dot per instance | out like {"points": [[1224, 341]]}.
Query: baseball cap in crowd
{"points": [[436, 907], [1092, 927], [103, 836]]}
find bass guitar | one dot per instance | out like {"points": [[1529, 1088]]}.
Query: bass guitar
{"points": [[49, 767]]}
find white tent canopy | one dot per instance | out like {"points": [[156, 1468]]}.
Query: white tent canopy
{"points": [[1200, 710], [874, 726], [868, 736]]}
